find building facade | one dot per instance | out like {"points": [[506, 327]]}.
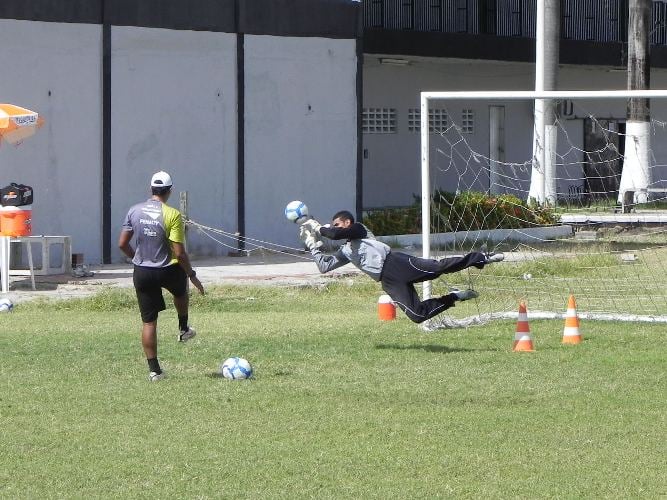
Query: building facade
{"points": [[485, 45], [234, 99], [250, 105]]}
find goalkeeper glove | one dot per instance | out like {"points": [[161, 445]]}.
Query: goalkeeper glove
{"points": [[313, 242], [313, 225], [309, 238], [304, 233]]}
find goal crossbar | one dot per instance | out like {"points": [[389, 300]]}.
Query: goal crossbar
{"points": [[544, 94]]}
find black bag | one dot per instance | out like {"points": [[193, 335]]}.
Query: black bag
{"points": [[16, 195]]}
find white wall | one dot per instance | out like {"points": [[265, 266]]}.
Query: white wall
{"points": [[174, 109], [55, 69], [392, 169], [300, 132]]}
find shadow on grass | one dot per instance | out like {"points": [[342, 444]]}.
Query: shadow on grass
{"points": [[221, 377], [428, 348]]}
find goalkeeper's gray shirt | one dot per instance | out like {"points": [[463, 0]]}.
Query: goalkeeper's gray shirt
{"points": [[361, 249]]}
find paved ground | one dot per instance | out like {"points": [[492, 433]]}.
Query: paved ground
{"points": [[267, 269], [264, 268]]}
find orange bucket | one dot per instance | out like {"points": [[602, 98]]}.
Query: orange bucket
{"points": [[16, 221], [386, 308]]}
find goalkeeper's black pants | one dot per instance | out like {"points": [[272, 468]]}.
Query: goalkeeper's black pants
{"points": [[401, 271]]}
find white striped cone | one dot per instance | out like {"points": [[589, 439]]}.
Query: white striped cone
{"points": [[571, 334], [522, 339]]}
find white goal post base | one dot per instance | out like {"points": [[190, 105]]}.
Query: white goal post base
{"points": [[636, 176], [439, 323]]}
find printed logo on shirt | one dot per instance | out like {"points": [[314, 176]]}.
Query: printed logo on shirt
{"points": [[153, 213], [149, 222]]}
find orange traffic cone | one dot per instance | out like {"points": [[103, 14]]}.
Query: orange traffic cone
{"points": [[571, 333], [522, 339], [386, 308]]}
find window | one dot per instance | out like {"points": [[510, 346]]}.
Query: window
{"points": [[437, 120], [378, 121], [467, 121]]}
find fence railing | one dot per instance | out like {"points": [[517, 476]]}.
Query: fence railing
{"points": [[592, 20]]}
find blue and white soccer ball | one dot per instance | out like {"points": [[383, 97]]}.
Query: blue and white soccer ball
{"points": [[236, 368], [6, 305], [295, 210]]}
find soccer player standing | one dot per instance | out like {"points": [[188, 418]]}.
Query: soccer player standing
{"points": [[160, 261]]}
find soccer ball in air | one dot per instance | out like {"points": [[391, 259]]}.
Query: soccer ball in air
{"points": [[295, 210], [236, 369], [6, 305]]}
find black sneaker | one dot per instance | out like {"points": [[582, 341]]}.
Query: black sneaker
{"points": [[186, 335]]}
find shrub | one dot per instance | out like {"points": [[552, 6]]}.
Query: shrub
{"points": [[466, 211]]}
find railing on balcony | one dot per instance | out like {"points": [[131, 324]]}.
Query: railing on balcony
{"points": [[593, 20]]}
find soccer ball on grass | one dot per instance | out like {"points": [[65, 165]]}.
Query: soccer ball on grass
{"points": [[295, 210], [236, 368], [6, 305]]}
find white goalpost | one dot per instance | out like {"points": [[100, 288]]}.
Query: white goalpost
{"points": [[611, 270]]}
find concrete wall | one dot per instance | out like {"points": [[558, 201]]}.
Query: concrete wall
{"points": [[395, 158], [174, 108], [300, 108], [55, 69]]}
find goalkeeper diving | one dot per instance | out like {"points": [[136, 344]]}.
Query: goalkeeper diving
{"points": [[396, 271]]}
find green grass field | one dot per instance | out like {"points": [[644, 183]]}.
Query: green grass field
{"points": [[341, 406]]}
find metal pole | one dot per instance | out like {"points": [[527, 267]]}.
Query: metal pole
{"points": [[183, 207], [426, 189]]}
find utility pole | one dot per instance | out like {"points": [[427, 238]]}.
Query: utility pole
{"points": [[551, 60], [636, 176], [547, 53]]}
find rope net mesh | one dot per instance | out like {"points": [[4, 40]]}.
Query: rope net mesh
{"points": [[609, 255]]}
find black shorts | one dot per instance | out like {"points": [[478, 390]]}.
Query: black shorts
{"points": [[149, 282]]}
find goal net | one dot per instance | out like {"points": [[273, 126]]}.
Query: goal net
{"points": [[571, 191]]}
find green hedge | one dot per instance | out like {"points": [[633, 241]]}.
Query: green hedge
{"points": [[466, 211]]}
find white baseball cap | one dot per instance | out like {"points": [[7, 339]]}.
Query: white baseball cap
{"points": [[161, 179]]}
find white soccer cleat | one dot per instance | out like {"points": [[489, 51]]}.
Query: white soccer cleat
{"points": [[82, 272], [155, 377], [186, 335], [462, 295], [492, 258]]}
